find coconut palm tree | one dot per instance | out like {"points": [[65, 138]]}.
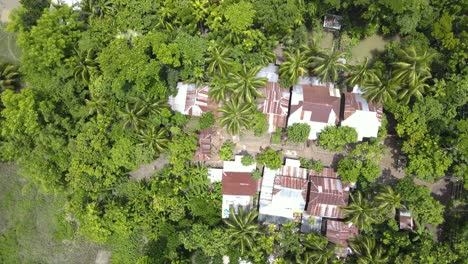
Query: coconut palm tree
{"points": [[154, 138], [245, 83], [326, 65], [97, 8], [360, 212], [381, 89], [318, 250], [132, 116], [415, 89], [150, 104], [97, 105], [86, 66], [389, 200], [164, 18], [412, 65], [367, 250], [9, 77], [219, 91], [242, 228], [360, 74], [295, 65], [236, 115], [218, 60]]}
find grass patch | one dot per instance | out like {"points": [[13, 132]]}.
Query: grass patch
{"points": [[33, 227]]}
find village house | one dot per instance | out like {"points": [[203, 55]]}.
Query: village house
{"points": [[362, 115], [238, 186], [192, 100], [327, 194], [315, 104], [283, 193], [406, 220], [275, 102], [339, 233]]}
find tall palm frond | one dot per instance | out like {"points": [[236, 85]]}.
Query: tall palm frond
{"points": [[245, 84], [236, 115], [242, 228], [295, 65]]}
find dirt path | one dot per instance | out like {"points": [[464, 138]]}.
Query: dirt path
{"points": [[147, 170], [5, 8], [103, 257]]}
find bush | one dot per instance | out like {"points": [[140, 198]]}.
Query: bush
{"points": [[227, 150], [259, 124], [276, 136], [206, 120], [270, 158], [247, 160], [312, 165], [335, 138], [256, 174], [298, 133]]}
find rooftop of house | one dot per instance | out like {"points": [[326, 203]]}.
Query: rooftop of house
{"points": [[204, 145], [327, 195], [406, 220], [191, 100], [338, 233], [316, 101], [237, 178], [215, 174], [332, 22], [283, 193], [362, 115], [275, 103]]}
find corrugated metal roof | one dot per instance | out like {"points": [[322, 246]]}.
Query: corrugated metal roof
{"points": [[339, 232], [204, 145], [239, 183]]}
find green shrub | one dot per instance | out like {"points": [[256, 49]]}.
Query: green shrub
{"points": [[276, 136], [335, 138], [247, 160], [256, 174], [270, 158], [259, 124], [227, 150], [298, 133], [206, 120]]}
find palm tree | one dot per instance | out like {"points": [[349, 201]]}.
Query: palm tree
{"points": [[236, 115], [9, 77], [219, 61], [367, 250], [151, 105], [219, 89], [245, 83], [415, 89], [164, 18], [412, 65], [97, 8], [360, 74], [97, 105], [380, 89], [321, 252], [360, 212], [86, 66], [242, 228], [295, 66], [154, 138], [389, 200], [132, 116], [327, 65]]}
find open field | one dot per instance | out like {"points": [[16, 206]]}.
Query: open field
{"points": [[32, 225]]}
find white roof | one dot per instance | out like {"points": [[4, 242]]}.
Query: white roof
{"points": [[235, 201], [215, 175], [236, 165], [365, 122]]}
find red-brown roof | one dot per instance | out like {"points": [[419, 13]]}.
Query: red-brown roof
{"points": [[338, 232], [239, 183], [275, 104], [327, 172], [317, 99], [291, 183], [200, 98], [327, 195], [352, 105], [204, 145]]}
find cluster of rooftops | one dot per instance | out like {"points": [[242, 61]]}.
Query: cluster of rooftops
{"points": [[309, 101], [291, 193]]}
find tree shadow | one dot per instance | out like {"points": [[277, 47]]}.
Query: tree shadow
{"points": [[336, 158]]}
